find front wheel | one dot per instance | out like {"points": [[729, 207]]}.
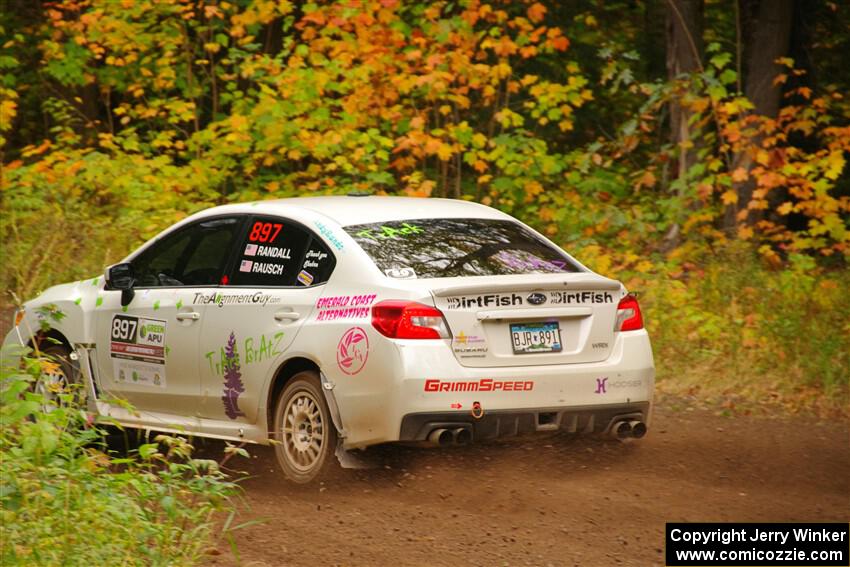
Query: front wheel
{"points": [[305, 433], [62, 376]]}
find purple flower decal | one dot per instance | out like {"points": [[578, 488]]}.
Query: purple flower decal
{"points": [[232, 380]]}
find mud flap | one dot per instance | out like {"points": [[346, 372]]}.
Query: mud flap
{"points": [[353, 459], [347, 459]]}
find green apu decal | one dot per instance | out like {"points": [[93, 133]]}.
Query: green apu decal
{"points": [[254, 350], [390, 232]]}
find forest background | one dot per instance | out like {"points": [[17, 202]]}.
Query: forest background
{"points": [[695, 149]]}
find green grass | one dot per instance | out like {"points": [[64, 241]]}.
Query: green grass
{"points": [[66, 500]]}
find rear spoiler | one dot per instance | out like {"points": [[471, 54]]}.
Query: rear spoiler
{"points": [[534, 282]]}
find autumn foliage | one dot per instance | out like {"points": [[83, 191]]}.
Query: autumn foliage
{"points": [[120, 117]]}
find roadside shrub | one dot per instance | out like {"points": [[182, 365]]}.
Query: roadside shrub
{"points": [[733, 328], [65, 500]]}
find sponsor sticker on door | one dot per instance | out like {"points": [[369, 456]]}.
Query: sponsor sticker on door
{"points": [[137, 349]]}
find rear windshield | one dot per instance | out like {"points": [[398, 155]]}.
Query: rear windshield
{"points": [[441, 248]]}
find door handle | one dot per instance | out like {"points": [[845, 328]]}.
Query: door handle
{"points": [[287, 315], [191, 315]]}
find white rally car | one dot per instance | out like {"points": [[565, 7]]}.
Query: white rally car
{"points": [[336, 323]]}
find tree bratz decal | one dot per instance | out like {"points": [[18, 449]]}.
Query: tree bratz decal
{"points": [[233, 385]]}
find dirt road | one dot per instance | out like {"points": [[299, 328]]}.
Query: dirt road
{"points": [[558, 500]]}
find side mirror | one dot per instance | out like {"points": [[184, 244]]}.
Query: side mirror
{"points": [[121, 276]]}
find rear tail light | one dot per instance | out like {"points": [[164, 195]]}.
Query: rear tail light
{"points": [[628, 315], [408, 320]]}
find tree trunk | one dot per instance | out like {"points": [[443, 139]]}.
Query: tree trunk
{"points": [[684, 43], [768, 41], [684, 56]]}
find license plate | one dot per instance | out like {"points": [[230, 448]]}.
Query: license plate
{"points": [[530, 338]]}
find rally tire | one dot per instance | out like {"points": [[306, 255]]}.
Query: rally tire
{"points": [[65, 376], [303, 429]]}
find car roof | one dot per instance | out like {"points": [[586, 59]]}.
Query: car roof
{"points": [[348, 210]]}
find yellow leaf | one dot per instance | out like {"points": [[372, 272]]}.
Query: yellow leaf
{"points": [[729, 197], [762, 157], [444, 152], [785, 208], [731, 107]]}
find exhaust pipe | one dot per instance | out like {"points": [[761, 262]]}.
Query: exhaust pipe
{"points": [[621, 430], [462, 436], [441, 437], [638, 429]]}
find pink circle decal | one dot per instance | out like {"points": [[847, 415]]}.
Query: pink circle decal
{"points": [[352, 350]]}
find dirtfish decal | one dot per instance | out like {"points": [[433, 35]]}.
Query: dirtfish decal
{"points": [[487, 300], [562, 297]]}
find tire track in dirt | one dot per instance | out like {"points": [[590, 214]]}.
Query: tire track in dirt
{"points": [[545, 500]]}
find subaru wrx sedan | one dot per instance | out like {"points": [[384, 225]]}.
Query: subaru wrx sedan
{"points": [[335, 323]]}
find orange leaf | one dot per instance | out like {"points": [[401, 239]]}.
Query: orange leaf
{"points": [[739, 175], [536, 12], [647, 179], [729, 197]]}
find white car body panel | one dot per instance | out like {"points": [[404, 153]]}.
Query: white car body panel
{"points": [[394, 378]]}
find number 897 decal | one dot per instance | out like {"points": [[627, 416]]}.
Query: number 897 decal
{"points": [[137, 348]]}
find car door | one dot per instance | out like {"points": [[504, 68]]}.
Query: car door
{"points": [[274, 283], [148, 350]]}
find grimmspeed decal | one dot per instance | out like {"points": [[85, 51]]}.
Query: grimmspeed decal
{"points": [[482, 385], [222, 299], [568, 297], [137, 349]]}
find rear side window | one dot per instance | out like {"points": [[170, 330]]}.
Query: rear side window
{"points": [[439, 248], [317, 265], [280, 253]]}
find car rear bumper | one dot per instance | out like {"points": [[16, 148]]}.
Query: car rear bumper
{"points": [[428, 385], [504, 423]]}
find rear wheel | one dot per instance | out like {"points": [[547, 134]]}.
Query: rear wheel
{"points": [[303, 428]]}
